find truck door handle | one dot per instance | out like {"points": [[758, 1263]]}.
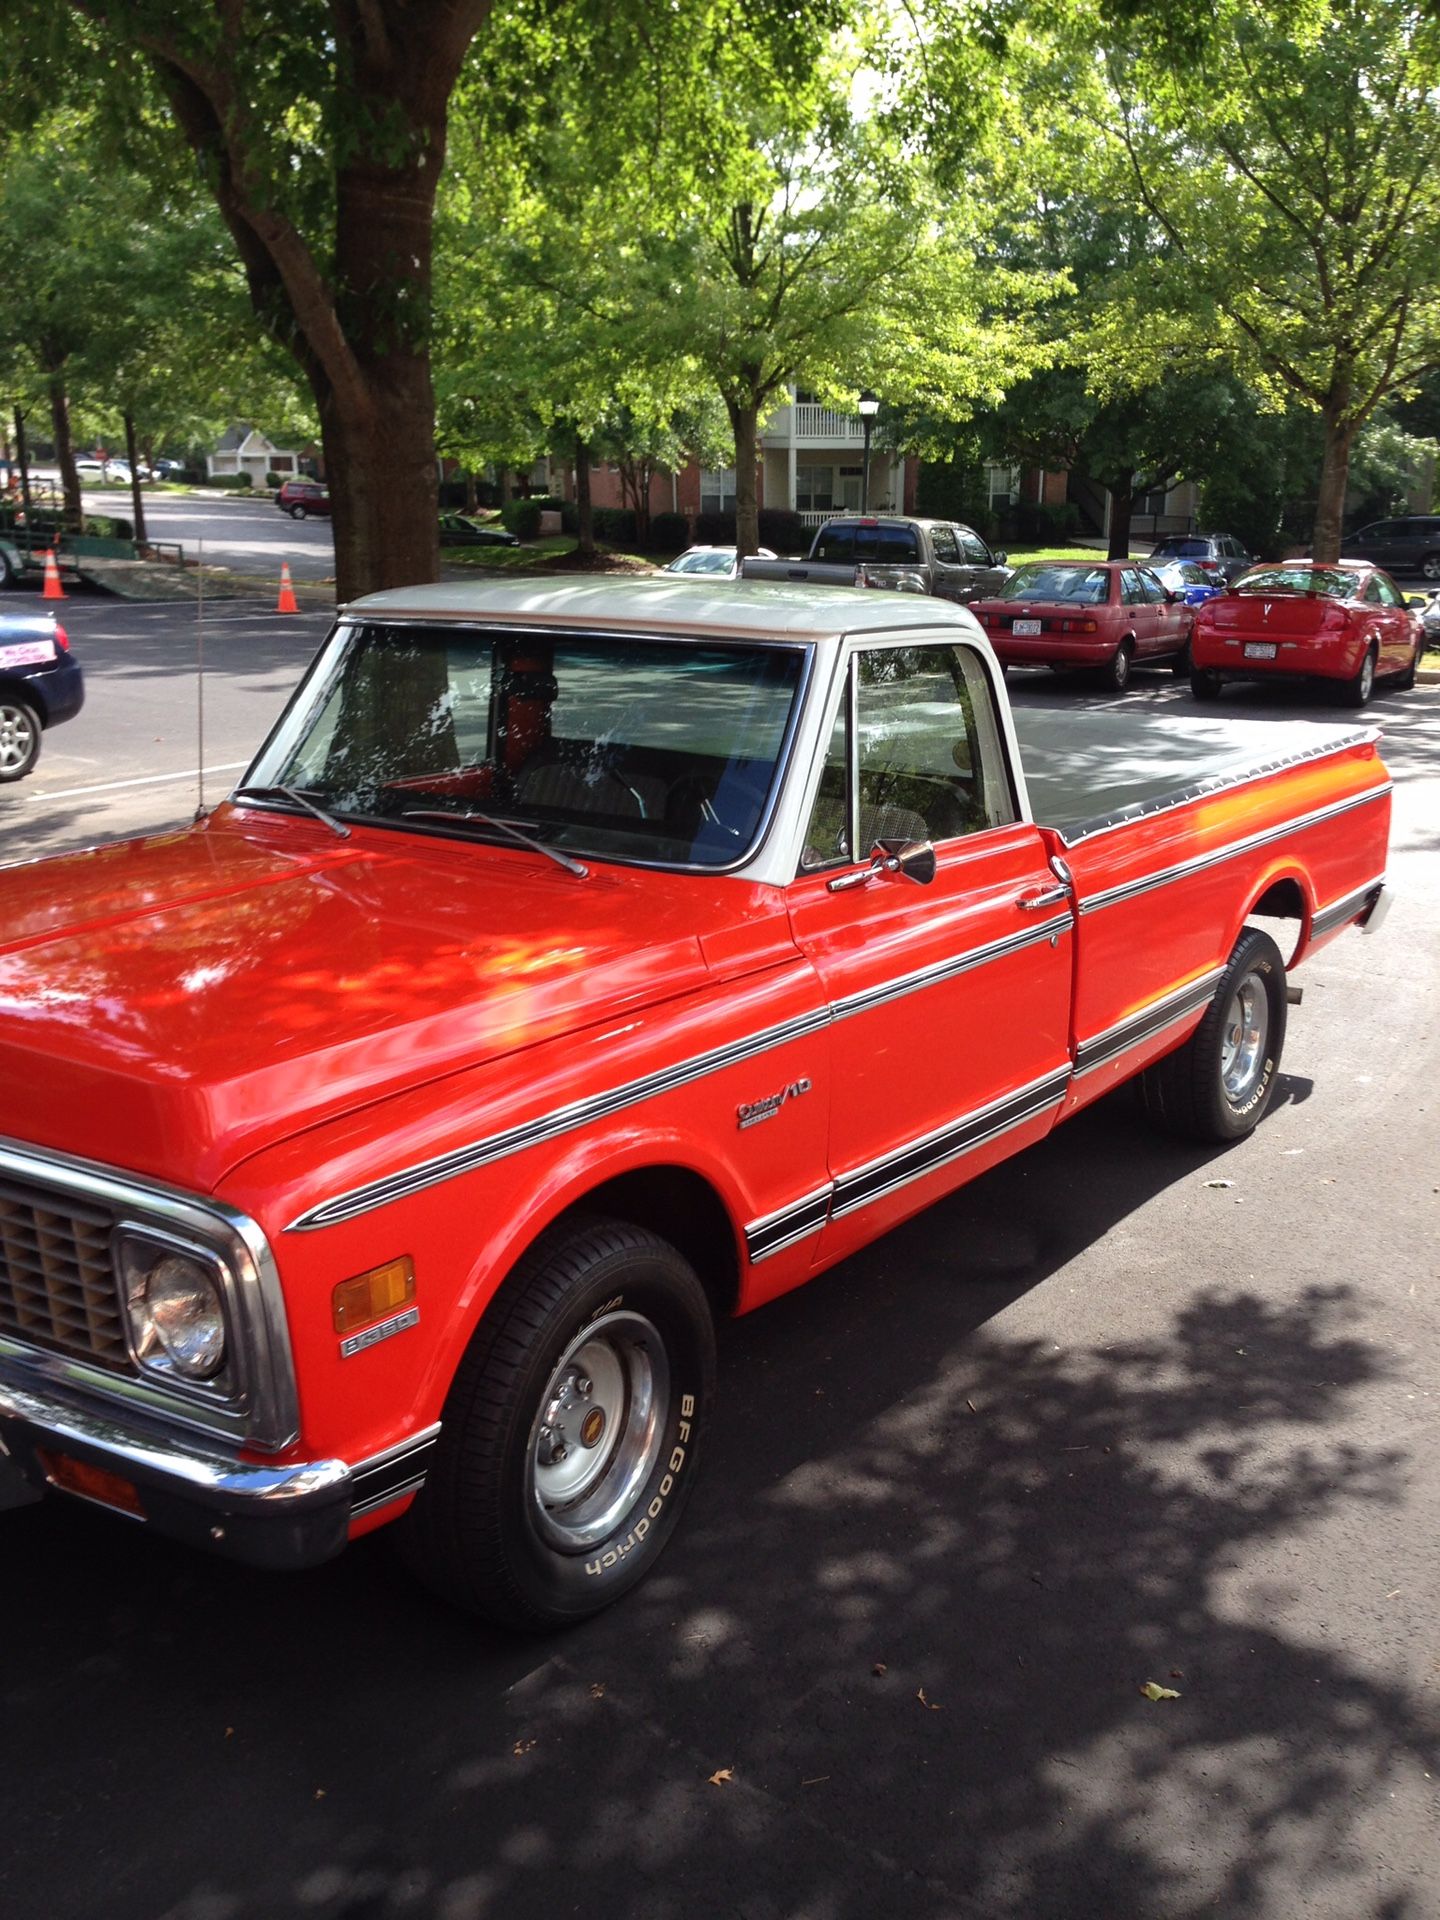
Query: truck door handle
{"points": [[1043, 897]]}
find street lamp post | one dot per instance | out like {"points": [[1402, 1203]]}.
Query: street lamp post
{"points": [[868, 406]]}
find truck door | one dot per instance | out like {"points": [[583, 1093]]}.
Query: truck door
{"points": [[950, 996]]}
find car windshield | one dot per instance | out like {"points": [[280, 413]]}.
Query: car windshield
{"points": [[658, 752], [848, 541], [720, 561], [1334, 582], [1078, 586]]}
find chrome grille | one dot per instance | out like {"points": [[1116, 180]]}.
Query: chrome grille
{"points": [[57, 1287]]}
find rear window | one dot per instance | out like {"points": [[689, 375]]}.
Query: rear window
{"points": [[1080, 586], [1333, 582], [849, 540], [1183, 549]]}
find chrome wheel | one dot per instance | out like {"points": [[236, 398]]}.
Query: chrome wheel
{"points": [[599, 1431], [19, 740], [1242, 1047]]}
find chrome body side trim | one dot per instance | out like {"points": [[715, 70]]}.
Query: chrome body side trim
{"points": [[265, 1411], [948, 969], [1213, 784], [776, 1231], [1143, 1025], [899, 1168], [1349, 907], [401, 1469], [1146, 883], [580, 1113]]}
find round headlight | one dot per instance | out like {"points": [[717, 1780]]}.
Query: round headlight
{"points": [[185, 1310], [175, 1307]]}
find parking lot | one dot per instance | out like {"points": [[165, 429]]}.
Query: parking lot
{"points": [[1121, 1411]]}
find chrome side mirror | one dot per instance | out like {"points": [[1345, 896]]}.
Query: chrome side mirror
{"points": [[911, 859]]}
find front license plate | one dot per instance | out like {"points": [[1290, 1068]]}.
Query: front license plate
{"points": [[1259, 649], [1024, 626]]}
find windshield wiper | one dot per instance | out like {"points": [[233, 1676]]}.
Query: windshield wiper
{"points": [[500, 826], [297, 798]]}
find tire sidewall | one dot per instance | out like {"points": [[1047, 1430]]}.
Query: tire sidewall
{"points": [[561, 1585], [1255, 953], [23, 707]]}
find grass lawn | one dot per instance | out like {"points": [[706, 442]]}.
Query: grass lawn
{"points": [[533, 556]]}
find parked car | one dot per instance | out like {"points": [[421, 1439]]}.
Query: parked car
{"points": [[1086, 613], [170, 469], [723, 562], [1348, 624], [886, 550], [406, 1124], [1219, 554], [1410, 544], [1187, 580], [300, 498], [459, 530], [40, 685], [1429, 610]]}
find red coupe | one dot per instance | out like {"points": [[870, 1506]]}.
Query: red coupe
{"points": [[1086, 613], [1346, 623]]}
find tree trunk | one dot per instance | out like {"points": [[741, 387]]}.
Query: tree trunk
{"points": [[359, 328], [1334, 477], [137, 504], [23, 457], [65, 452], [472, 498], [583, 508], [743, 422], [507, 485], [1122, 505]]}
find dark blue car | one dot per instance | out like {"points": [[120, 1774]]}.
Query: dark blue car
{"points": [[1187, 580], [40, 685]]}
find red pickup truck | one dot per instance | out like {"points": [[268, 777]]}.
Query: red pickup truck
{"points": [[577, 965]]}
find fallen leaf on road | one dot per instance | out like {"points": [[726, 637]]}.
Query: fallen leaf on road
{"points": [[1153, 1692], [1219, 1183], [522, 1746], [931, 1704], [879, 1669], [597, 1692], [722, 1776]]}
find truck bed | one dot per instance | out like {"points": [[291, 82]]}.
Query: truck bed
{"points": [[1090, 771]]}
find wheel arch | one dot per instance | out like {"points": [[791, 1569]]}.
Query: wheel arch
{"points": [[1285, 892], [26, 693]]}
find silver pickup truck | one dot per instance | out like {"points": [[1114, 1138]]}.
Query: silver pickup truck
{"points": [[940, 557]]}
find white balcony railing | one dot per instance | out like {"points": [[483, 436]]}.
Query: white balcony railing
{"points": [[809, 425]]}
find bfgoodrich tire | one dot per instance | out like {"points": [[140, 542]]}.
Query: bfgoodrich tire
{"points": [[1220, 1083], [569, 1440]]}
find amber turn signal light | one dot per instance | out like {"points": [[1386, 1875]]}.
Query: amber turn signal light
{"points": [[90, 1483], [370, 1296]]}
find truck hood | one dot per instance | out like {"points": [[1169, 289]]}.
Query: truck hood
{"points": [[172, 1004]]}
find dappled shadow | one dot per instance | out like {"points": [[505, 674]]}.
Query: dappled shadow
{"points": [[903, 1498]]}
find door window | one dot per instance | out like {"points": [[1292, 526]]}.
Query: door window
{"points": [[1132, 593], [1383, 593], [942, 539], [915, 755], [973, 549]]}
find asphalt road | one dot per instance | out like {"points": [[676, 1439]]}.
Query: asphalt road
{"points": [[227, 530], [1120, 1411]]}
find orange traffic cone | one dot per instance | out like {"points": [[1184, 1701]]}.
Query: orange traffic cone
{"points": [[52, 590], [287, 602]]}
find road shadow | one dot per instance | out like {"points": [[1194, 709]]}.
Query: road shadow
{"points": [[891, 1666]]}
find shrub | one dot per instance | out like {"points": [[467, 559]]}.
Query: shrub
{"points": [[615, 526], [522, 517], [274, 480], [715, 529], [783, 531], [669, 532]]}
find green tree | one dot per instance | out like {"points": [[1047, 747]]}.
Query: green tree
{"points": [[1290, 152]]}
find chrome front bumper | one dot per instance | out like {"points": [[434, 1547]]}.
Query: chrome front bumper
{"points": [[265, 1515]]}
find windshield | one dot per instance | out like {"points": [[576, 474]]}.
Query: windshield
{"points": [[1334, 583], [654, 751], [1078, 586], [1183, 549], [721, 560]]}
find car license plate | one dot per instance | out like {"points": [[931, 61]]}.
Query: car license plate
{"points": [[1259, 649], [1024, 626]]}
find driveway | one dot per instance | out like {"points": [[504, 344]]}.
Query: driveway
{"points": [[1122, 1411]]}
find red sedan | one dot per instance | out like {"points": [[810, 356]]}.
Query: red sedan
{"points": [[1346, 623], [1086, 613]]}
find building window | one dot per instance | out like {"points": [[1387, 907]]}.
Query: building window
{"points": [[717, 491], [1003, 485], [814, 489]]}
